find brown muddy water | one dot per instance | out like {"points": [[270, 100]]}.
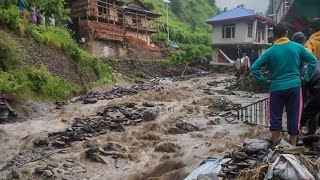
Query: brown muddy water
{"points": [[187, 130]]}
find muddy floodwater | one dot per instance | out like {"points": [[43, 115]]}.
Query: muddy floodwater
{"points": [[163, 132]]}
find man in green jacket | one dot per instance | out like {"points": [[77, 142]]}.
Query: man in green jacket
{"points": [[284, 61]]}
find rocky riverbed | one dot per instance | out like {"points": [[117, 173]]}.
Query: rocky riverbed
{"points": [[142, 131]]}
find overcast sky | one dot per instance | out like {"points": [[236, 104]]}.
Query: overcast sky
{"points": [[257, 5]]}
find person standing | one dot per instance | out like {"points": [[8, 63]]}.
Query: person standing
{"points": [[313, 44], [284, 61], [52, 20], [23, 9], [33, 16], [43, 19], [253, 56]]}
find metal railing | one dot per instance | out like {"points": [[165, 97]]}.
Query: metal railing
{"points": [[256, 113]]}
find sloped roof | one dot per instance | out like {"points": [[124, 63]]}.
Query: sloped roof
{"points": [[237, 13], [137, 6]]}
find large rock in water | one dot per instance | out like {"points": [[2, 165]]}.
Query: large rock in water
{"points": [[187, 127], [150, 115], [168, 147]]}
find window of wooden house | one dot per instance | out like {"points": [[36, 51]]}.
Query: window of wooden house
{"points": [[136, 21], [250, 27], [103, 7], [228, 31]]}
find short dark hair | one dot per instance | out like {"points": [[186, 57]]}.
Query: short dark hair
{"points": [[280, 30], [315, 24], [299, 37]]}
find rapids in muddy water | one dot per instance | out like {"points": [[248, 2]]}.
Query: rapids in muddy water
{"points": [[187, 126]]}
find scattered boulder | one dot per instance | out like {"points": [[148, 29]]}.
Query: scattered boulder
{"points": [[175, 130], [149, 104], [150, 115], [15, 173], [120, 162], [215, 121], [47, 173], [44, 141], [39, 170], [187, 127], [90, 101], [168, 147]]}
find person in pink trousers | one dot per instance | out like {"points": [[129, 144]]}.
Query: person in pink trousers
{"points": [[33, 16]]}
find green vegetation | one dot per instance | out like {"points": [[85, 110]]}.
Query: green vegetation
{"points": [[187, 20], [28, 82], [22, 80]]}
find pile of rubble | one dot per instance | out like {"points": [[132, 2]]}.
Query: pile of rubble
{"points": [[222, 104], [256, 161], [117, 92], [114, 118]]}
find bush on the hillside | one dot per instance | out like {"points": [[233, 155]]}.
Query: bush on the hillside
{"points": [[46, 85], [36, 83], [10, 17], [197, 54], [13, 82], [11, 56]]}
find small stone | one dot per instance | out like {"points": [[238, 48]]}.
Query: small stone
{"points": [[90, 101], [15, 173], [168, 147], [47, 173], [187, 127], [150, 115], [58, 143], [120, 162], [215, 121], [149, 104], [175, 130], [41, 142], [39, 170]]}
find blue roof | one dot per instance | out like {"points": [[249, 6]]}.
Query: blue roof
{"points": [[236, 13]]}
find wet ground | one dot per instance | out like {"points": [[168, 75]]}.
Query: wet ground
{"points": [[158, 132]]}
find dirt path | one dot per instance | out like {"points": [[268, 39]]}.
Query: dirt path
{"points": [[150, 150]]}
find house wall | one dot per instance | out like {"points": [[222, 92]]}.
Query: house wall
{"points": [[241, 33], [143, 36], [129, 20]]}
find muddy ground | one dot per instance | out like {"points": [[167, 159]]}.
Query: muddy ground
{"points": [[186, 122]]}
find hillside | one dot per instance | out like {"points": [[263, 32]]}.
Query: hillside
{"points": [[187, 19]]}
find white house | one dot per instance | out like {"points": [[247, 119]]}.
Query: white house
{"points": [[238, 31]]}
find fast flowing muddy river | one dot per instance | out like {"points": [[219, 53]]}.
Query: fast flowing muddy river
{"points": [[160, 132]]}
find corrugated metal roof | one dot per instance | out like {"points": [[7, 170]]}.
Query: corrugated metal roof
{"points": [[236, 13]]}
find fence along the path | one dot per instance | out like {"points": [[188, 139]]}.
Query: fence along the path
{"points": [[256, 113]]}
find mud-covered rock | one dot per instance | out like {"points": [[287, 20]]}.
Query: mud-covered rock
{"points": [[150, 115], [90, 101], [168, 147], [149, 104], [175, 130], [187, 127], [216, 120], [47, 173], [44, 141]]}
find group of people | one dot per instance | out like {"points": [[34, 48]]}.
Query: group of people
{"points": [[37, 15], [294, 81]]}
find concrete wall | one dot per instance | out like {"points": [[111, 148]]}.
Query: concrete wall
{"points": [[241, 33], [143, 36]]}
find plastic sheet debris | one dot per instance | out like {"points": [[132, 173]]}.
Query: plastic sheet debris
{"points": [[208, 167], [288, 167]]}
